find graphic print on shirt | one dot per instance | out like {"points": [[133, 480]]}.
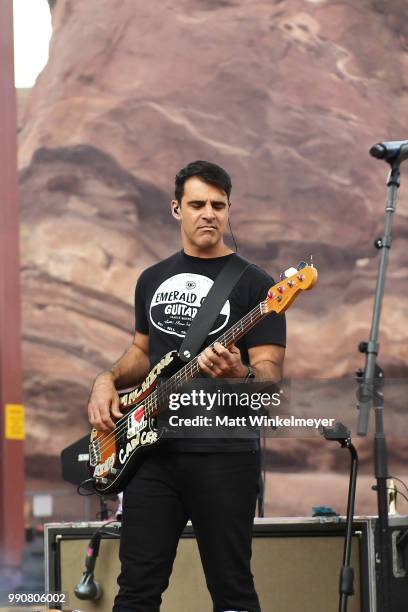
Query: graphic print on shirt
{"points": [[177, 300]]}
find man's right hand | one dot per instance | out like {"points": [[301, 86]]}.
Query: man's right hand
{"points": [[104, 403]]}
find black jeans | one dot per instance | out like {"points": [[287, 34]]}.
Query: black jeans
{"points": [[217, 491]]}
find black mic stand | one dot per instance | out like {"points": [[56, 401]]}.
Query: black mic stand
{"points": [[342, 435], [261, 481], [88, 588], [369, 392], [103, 508]]}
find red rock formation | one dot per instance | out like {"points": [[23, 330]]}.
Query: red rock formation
{"points": [[287, 95]]}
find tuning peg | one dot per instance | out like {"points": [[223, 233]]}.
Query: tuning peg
{"points": [[302, 265]]}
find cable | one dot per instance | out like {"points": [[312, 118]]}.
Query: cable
{"points": [[232, 235], [374, 488], [102, 527], [399, 480], [82, 485], [398, 492]]}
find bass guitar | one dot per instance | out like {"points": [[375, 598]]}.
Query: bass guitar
{"points": [[114, 456]]}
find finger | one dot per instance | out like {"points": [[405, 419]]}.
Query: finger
{"points": [[99, 425], [91, 414], [234, 350], [99, 416], [213, 359], [205, 364], [115, 408], [105, 418], [214, 372], [94, 417], [222, 352], [224, 359], [219, 349], [209, 356], [226, 353]]}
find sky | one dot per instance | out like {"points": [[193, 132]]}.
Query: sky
{"points": [[32, 33]]}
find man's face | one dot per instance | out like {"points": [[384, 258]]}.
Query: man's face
{"points": [[203, 213]]}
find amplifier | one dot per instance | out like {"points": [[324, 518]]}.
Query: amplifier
{"points": [[296, 564]]}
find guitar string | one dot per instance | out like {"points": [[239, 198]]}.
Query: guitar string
{"points": [[163, 392], [151, 400], [183, 375]]}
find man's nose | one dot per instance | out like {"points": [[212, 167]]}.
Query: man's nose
{"points": [[208, 211]]}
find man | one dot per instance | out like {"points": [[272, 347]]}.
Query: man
{"points": [[213, 482]]}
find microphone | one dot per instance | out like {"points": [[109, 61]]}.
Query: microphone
{"points": [[87, 588], [395, 151]]}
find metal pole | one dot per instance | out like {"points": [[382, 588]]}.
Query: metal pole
{"points": [[370, 391], [11, 409]]}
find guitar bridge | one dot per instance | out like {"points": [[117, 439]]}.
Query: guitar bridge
{"points": [[94, 453]]}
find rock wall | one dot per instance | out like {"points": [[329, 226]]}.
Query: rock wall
{"points": [[287, 95]]}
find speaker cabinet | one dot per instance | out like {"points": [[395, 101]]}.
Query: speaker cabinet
{"points": [[295, 562]]}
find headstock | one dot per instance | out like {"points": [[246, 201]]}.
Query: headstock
{"points": [[281, 295]]}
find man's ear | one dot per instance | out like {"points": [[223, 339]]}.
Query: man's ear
{"points": [[175, 210]]}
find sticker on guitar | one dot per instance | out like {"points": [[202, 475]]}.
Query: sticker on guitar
{"points": [[136, 422], [101, 468], [142, 439]]}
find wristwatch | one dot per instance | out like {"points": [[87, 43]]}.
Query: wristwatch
{"points": [[251, 374]]}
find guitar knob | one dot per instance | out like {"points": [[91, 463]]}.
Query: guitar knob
{"points": [[101, 480], [281, 289]]}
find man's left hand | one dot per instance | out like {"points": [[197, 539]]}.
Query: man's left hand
{"points": [[221, 362]]}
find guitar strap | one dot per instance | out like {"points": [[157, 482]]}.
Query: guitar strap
{"points": [[202, 323]]}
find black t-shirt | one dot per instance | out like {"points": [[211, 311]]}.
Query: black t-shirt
{"points": [[169, 294]]}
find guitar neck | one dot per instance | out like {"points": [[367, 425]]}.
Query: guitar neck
{"points": [[278, 299]]}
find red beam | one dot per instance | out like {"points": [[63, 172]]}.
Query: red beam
{"points": [[11, 446]]}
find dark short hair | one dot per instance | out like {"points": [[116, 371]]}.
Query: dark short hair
{"points": [[207, 172]]}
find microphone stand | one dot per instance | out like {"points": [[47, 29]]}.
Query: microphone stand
{"points": [[370, 392], [342, 435], [261, 481]]}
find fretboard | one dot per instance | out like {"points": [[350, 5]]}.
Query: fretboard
{"points": [[156, 402]]}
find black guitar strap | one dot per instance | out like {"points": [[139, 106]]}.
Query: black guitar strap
{"points": [[202, 323]]}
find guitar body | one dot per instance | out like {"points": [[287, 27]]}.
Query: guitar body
{"points": [[115, 456]]}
